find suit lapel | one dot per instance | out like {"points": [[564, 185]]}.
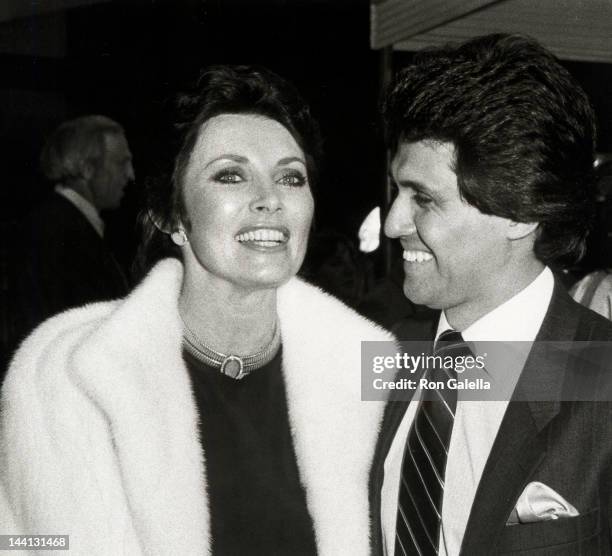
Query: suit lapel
{"points": [[419, 328], [520, 444], [501, 484], [394, 412]]}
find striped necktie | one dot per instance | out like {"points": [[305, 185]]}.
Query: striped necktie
{"points": [[419, 510]]}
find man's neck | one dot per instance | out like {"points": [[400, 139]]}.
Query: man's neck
{"points": [[84, 206], [81, 187], [462, 316]]}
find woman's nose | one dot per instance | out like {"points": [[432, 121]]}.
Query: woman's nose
{"points": [[267, 198]]}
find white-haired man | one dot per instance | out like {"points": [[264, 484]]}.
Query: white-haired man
{"points": [[64, 260]]}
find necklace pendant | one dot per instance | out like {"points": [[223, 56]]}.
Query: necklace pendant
{"points": [[233, 367]]}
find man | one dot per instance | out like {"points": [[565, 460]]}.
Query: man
{"points": [[64, 261], [492, 146]]}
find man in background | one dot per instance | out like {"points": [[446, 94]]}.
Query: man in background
{"points": [[493, 149], [63, 259]]}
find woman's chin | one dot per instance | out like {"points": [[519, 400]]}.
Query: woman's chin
{"points": [[267, 280]]}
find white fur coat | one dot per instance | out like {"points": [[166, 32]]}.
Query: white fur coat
{"points": [[99, 426]]}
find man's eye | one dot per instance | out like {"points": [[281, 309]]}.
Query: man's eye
{"points": [[422, 200], [292, 179], [228, 176]]}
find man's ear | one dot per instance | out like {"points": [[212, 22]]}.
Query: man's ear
{"points": [[87, 170], [520, 230]]}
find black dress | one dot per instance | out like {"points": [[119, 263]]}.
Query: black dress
{"points": [[257, 503]]}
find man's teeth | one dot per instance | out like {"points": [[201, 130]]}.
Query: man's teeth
{"points": [[274, 236], [417, 256]]}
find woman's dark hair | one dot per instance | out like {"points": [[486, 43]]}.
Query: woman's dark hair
{"points": [[522, 128], [219, 90]]}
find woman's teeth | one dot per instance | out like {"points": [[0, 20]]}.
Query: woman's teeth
{"points": [[417, 256], [271, 236]]}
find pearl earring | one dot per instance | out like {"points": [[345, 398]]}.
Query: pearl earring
{"points": [[179, 237]]}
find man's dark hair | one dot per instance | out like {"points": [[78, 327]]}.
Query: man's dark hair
{"points": [[522, 128]]}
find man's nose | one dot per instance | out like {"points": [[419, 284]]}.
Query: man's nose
{"points": [[400, 219], [130, 172]]}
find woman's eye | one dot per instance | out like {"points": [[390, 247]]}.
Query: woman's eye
{"points": [[228, 176], [292, 179]]}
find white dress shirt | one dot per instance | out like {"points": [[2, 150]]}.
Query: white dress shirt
{"points": [[84, 206], [476, 422]]}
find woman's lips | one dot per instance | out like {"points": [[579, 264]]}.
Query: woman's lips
{"points": [[263, 238]]}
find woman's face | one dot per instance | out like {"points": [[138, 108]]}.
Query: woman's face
{"points": [[248, 201]]}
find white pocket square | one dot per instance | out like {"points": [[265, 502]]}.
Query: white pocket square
{"points": [[539, 502]]}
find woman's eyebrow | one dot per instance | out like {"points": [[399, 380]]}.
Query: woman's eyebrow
{"points": [[289, 160], [228, 156]]}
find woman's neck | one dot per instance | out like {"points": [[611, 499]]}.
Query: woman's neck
{"points": [[226, 318]]}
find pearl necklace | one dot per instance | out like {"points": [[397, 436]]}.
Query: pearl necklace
{"points": [[234, 366]]}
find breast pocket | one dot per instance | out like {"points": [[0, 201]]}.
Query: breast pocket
{"points": [[572, 536]]}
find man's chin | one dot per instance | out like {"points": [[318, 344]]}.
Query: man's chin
{"points": [[421, 296]]}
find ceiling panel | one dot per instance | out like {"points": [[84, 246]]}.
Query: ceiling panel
{"points": [[394, 20], [572, 29], [15, 9]]}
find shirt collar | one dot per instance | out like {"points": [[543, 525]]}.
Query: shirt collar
{"points": [[84, 206], [517, 319]]}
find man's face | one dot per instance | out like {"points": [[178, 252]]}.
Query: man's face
{"points": [[114, 172], [455, 257]]}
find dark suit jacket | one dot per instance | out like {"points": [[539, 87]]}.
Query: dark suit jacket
{"points": [[62, 262], [565, 445]]}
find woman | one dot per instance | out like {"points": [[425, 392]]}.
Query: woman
{"points": [[595, 292], [595, 289], [132, 427]]}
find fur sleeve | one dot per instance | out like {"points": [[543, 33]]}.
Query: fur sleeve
{"points": [[59, 467]]}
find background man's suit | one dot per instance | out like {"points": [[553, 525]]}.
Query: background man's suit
{"points": [[61, 262], [566, 445]]}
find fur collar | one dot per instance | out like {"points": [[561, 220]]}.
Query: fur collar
{"points": [[128, 363]]}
